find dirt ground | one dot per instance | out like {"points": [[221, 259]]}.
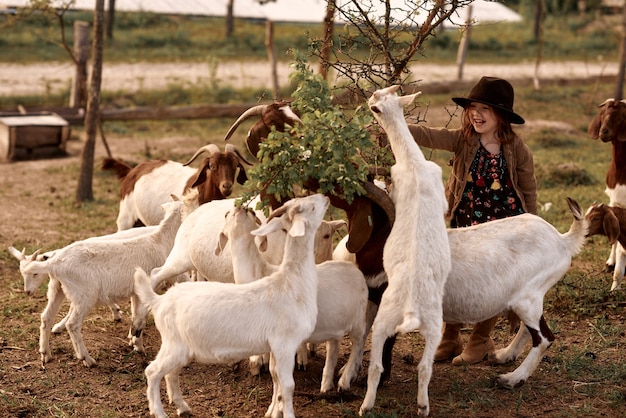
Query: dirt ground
{"points": [[17, 79], [32, 192]]}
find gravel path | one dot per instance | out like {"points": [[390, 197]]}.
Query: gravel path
{"points": [[46, 78]]}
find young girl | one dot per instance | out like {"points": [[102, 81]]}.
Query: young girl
{"points": [[492, 177]]}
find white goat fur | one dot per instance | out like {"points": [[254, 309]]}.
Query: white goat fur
{"points": [[341, 299], [93, 272], [416, 255], [512, 273], [225, 322], [198, 235], [144, 202], [25, 259], [488, 280]]}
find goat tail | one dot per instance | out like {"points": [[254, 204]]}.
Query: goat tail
{"points": [[120, 168], [143, 289], [577, 233]]}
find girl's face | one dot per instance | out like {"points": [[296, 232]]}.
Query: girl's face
{"points": [[483, 118]]}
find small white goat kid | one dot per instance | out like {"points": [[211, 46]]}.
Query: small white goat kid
{"points": [[341, 298], [416, 255], [24, 259], [93, 272], [214, 322]]}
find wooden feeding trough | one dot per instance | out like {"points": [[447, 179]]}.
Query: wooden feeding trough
{"points": [[23, 134]]}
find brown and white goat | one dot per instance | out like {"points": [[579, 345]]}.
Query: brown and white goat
{"points": [[609, 125], [144, 188], [611, 222], [278, 114]]}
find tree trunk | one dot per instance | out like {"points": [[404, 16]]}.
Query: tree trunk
{"points": [[230, 19], [539, 36], [269, 45], [619, 87], [327, 41], [78, 97], [537, 16], [84, 191], [464, 44], [110, 19]]}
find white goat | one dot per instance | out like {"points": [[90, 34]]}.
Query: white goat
{"points": [[495, 272], [416, 255], [197, 238], [341, 298], [92, 272], [25, 259], [224, 322]]}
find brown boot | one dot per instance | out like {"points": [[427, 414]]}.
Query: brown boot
{"points": [[480, 344], [451, 343]]}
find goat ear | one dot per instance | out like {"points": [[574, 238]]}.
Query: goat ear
{"points": [[242, 177], [256, 134], [360, 226], [335, 225], [16, 253], [201, 176], [298, 226], [221, 243], [408, 99], [611, 226], [261, 243], [594, 128], [272, 225], [621, 130]]}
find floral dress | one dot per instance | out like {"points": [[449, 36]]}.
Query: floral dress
{"points": [[489, 193]]}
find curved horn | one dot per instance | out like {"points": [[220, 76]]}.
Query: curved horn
{"points": [[381, 198], [210, 148], [606, 101], [232, 148], [253, 111]]}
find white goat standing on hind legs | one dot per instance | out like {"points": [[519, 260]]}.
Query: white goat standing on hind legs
{"points": [[416, 255]]}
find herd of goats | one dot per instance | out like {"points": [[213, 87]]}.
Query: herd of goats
{"points": [[225, 283]]}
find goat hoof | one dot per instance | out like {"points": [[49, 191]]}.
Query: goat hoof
{"points": [[45, 358], [89, 362], [506, 384], [422, 410], [608, 268]]}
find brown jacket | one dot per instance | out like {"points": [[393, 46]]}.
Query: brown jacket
{"points": [[518, 156]]}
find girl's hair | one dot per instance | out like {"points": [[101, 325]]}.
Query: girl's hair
{"points": [[504, 130]]}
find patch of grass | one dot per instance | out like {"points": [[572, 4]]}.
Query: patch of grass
{"points": [[563, 175], [153, 37]]}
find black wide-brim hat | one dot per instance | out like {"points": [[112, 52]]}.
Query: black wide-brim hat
{"points": [[495, 92]]}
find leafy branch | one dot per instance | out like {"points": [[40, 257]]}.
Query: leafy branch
{"points": [[326, 149]]}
